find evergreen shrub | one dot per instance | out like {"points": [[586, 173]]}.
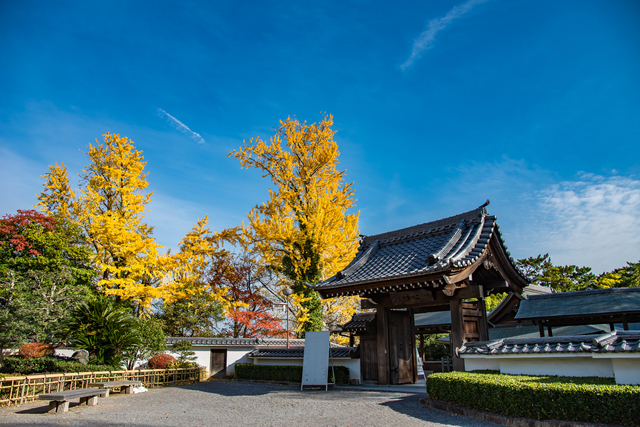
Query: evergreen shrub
{"points": [[594, 400], [248, 371], [49, 365]]}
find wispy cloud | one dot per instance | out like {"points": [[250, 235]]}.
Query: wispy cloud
{"points": [[595, 219], [181, 126], [426, 39]]}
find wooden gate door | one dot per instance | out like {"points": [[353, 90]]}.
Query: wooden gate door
{"points": [[218, 363], [369, 360], [401, 352]]}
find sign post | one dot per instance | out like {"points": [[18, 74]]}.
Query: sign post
{"points": [[315, 366]]}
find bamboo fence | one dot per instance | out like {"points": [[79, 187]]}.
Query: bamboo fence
{"points": [[18, 390]]}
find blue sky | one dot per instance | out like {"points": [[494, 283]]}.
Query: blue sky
{"points": [[438, 105]]}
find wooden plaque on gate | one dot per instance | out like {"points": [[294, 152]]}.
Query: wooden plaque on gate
{"points": [[421, 296]]}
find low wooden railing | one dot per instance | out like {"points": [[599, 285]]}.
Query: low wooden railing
{"points": [[17, 390]]}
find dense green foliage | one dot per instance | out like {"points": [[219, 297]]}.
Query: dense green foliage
{"points": [[433, 349], [595, 400], [565, 278], [629, 275], [248, 371], [49, 364], [186, 355], [151, 341], [195, 316], [300, 277], [103, 329], [45, 271]]}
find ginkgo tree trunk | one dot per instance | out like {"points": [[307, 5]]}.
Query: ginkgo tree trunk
{"points": [[304, 231]]}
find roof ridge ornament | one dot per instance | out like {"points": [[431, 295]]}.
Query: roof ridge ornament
{"points": [[359, 262], [455, 236]]}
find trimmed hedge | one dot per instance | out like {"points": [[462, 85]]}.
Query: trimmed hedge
{"points": [[50, 365], [543, 398], [248, 371]]}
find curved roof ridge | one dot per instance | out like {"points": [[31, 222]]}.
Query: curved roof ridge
{"points": [[358, 261], [428, 227], [469, 247]]}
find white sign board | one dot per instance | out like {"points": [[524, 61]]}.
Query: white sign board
{"points": [[316, 359]]}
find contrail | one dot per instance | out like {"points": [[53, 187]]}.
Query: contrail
{"points": [[426, 38], [181, 126]]}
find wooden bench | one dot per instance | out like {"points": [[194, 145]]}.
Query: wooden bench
{"points": [[125, 386], [59, 402]]}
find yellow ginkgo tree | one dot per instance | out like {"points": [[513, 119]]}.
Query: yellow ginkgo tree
{"points": [[110, 208], [304, 230]]}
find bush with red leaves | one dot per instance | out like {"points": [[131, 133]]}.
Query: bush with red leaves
{"points": [[36, 349], [161, 361]]}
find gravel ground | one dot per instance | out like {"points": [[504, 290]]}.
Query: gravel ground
{"points": [[237, 403]]}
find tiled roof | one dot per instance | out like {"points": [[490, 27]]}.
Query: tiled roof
{"points": [[242, 342], [433, 319], [296, 352], [433, 247], [236, 342], [580, 303], [358, 322], [614, 342]]}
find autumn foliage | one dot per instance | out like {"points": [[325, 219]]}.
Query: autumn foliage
{"points": [[251, 312], [304, 229], [161, 361], [110, 209], [14, 230], [36, 349]]}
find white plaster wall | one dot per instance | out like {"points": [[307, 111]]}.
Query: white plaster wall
{"points": [[203, 356], [66, 352], [480, 364], [627, 371], [237, 355], [561, 366], [352, 364]]}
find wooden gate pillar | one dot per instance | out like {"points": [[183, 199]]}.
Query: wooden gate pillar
{"points": [[457, 332], [382, 344]]}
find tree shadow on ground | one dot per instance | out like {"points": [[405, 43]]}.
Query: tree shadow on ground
{"points": [[410, 405], [240, 388]]}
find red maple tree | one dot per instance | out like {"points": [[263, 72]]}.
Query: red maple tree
{"points": [[256, 320], [15, 231]]}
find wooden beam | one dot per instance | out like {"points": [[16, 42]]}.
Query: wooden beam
{"points": [[439, 299], [549, 331], [483, 325], [424, 281], [382, 345], [457, 332]]}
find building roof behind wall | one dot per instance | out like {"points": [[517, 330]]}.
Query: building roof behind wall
{"points": [[585, 304], [239, 342], [614, 342], [296, 352]]}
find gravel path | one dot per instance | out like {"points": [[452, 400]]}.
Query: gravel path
{"points": [[236, 403]]}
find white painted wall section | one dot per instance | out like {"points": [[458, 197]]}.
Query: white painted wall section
{"points": [[481, 364], [627, 371], [561, 366]]}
